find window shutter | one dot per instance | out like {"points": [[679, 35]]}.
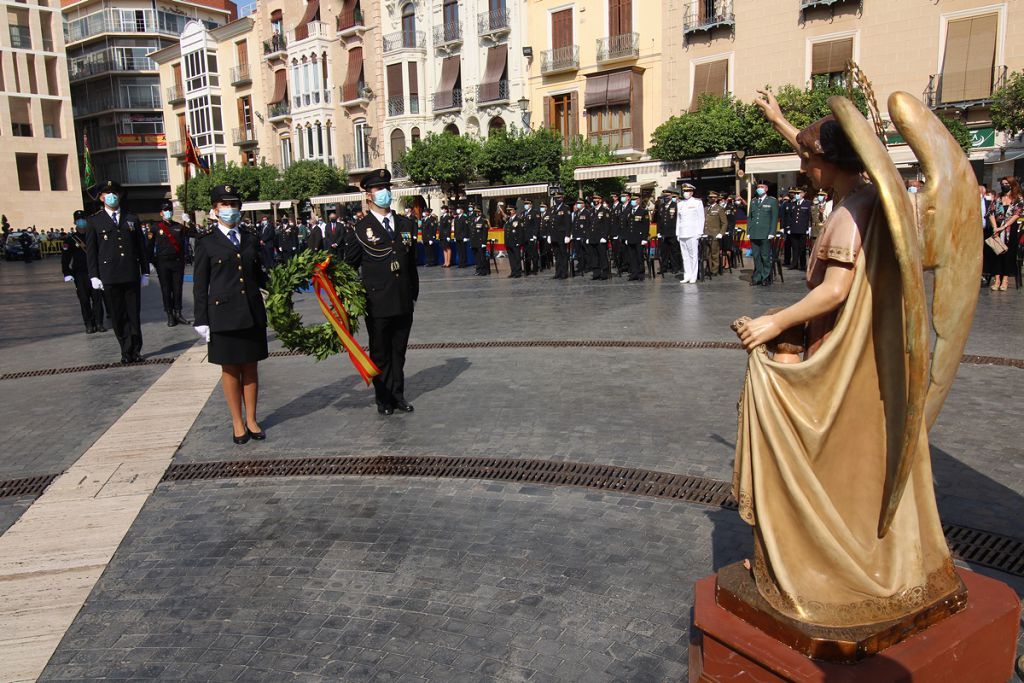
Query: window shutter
{"points": [[969, 59], [574, 114], [414, 82], [831, 57], [395, 80], [547, 112]]}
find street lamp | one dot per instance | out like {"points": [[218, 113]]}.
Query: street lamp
{"points": [[524, 106]]}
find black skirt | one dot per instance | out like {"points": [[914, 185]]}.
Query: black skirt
{"points": [[237, 346]]}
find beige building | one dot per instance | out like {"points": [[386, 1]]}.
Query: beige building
{"points": [[951, 53], [37, 134], [596, 70]]}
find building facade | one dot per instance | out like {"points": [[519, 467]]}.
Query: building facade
{"points": [[36, 128], [452, 66], [951, 53], [596, 70]]}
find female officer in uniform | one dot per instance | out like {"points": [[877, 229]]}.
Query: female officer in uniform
{"points": [[229, 308]]}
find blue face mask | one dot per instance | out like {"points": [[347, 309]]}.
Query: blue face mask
{"points": [[633, 202], [110, 199], [166, 214], [81, 223], [760, 191], [912, 190], [230, 216], [382, 198]]}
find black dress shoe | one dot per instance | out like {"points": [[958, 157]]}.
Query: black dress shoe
{"points": [[239, 440], [100, 328], [385, 410], [182, 320], [137, 357], [171, 322], [404, 407], [125, 359], [90, 329], [257, 436]]}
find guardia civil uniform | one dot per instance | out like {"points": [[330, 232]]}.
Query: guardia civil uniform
{"points": [[762, 220]]}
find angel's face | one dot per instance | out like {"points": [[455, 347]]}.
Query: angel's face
{"points": [[819, 172]]}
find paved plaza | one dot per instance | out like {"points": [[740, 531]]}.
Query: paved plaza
{"points": [[352, 578]]}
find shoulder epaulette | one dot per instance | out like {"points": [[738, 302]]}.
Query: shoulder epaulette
{"points": [[204, 230]]}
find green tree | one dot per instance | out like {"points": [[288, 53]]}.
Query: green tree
{"points": [[271, 183], [513, 156], [581, 152], [248, 181], [717, 126], [1008, 106], [446, 159], [305, 179], [959, 130]]}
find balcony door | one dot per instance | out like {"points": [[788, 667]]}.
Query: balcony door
{"points": [[620, 17], [561, 29], [409, 25]]}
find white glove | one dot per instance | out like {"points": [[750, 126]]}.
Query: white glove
{"points": [[69, 278], [465, 239], [643, 243], [533, 239], [549, 239], [718, 236], [658, 235], [96, 283], [616, 237], [431, 242], [603, 241], [143, 281], [203, 331], [568, 239]]}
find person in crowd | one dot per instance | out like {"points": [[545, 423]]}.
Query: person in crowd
{"points": [[716, 227], [74, 264], [446, 227], [598, 235], [1004, 219], [514, 238], [530, 221], [636, 229], [799, 223], [229, 310], [428, 230], [462, 235], [167, 252], [762, 220], [268, 239], [478, 240], [287, 240], [561, 234], [689, 227]]}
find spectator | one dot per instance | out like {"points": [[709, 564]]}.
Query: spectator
{"points": [[1003, 219]]}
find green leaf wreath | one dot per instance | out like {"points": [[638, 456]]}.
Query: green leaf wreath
{"points": [[295, 275]]}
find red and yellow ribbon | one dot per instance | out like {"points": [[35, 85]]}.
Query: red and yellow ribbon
{"points": [[336, 314]]}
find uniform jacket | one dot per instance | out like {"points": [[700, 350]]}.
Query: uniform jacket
{"points": [[716, 222], [227, 281], [689, 218], [530, 224], [446, 225], [116, 254], [799, 216], [666, 218], [561, 221], [287, 240], [73, 260], [514, 231], [462, 227], [390, 289], [162, 248], [429, 228], [762, 217], [784, 213], [601, 224], [478, 226], [636, 225], [583, 223]]}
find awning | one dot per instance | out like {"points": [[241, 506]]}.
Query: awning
{"points": [[337, 198], [619, 87], [597, 92], [284, 204], [508, 190], [302, 29], [444, 97], [901, 155], [639, 168], [497, 62], [255, 206], [280, 86], [992, 157], [350, 90]]}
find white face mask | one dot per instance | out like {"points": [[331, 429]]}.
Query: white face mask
{"points": [[687, 195]]}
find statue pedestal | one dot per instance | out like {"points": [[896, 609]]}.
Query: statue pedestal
{"points": [[975, 644]]}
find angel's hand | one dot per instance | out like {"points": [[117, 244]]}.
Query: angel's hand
{"points": [[769, 106]]}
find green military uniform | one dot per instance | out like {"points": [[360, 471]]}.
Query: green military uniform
{"points": [[762, 221], [716, 224]]}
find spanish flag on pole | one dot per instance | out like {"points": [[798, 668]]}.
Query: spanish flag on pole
{"points": [[192, 156], [88, 174]]}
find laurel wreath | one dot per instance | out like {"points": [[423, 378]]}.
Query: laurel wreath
{"points": [[294, 276]]}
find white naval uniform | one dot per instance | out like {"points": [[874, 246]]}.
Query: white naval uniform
{"points": [[689, 228]]}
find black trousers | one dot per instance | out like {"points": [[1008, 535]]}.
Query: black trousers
{"points": [[635, 260], [124, 304], [599, 259], [461, 253], [515, 261], [561, 257], [171, 274], [91, 301], [430, 251], [798, 253], [483, 262], [389, 338], [545, 253], [530, 260], [581, 256]]}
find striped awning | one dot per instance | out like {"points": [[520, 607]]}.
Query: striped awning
{"points": [[509, 190], [284, 204], [337, 198], [255, 206], [640, 168]]}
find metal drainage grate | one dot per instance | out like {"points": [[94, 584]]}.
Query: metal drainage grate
{"points": [[83, 368], [986, 548], [28, 486], [603, 477]]}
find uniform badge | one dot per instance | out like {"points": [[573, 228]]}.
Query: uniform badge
{"points": [[515, 224], [370, 236], [406, 239], [160, 232]]}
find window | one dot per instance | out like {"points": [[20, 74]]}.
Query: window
{"points": [[309, 142], [561, 113], [620, 17], [205, 123], [611, 126], [496, 124], [969, 59], [245, 113], [414, 135], [828, 61], [414, 89], [58, 165], [561, 29], [286, 152], [195, 71], [51, 118], [451, 19], [28, 173], [21, 116], [409, 25], [451, 129], [362, 144], [709, 78], [20, 37], [33, 85], [171, 23], [52, 81]]}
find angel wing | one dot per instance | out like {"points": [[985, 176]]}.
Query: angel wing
{"points": [[925, 235]]}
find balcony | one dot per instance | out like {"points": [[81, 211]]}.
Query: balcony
{"points": [[614, 48], [175, 94], [176, 148], [494, 23], [90, 105], [107, 61], [707, 16], [401, 105], [275, 48], [314, 29], [448, 37], [560, 59], [111, 21], [443, 102], [244, 137], [240, 75], [489, 93], [356, 163], [812, 4], [404, 40], [397, 171], [350, 23], [279, 112], [358, 96], [963, 90]]}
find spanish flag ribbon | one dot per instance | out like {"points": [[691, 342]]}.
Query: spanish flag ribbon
{"points": [[336, 314]]}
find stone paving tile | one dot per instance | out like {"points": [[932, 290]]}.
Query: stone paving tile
{"points": [[11, 510]]}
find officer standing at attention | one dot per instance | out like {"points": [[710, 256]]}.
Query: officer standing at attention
{"points": [[799, 227], [561, 231], [689, 228], [287, 240], [382, 245], [267, 240], [167, 239], [478, 239], [446, 235], [462, 230], [116, 255], [530, 235], [666, 212], [513, 241], [429, 231], [716, 225], [762, 219], [597, 238], [74, 265], [636, 225]]}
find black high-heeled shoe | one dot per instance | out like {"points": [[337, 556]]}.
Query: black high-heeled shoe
{"points": [[239, 440], [258, 436]]}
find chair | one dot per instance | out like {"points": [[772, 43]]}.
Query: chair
{"points": [[778, 241], [492, 253]]}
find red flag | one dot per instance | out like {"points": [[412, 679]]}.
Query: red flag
{"points": [[192, 156]]}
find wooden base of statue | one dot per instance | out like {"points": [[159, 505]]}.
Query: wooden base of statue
{"points": [[947, 642]]}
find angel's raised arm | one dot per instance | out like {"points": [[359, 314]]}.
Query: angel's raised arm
{"points": [[769, 106]]}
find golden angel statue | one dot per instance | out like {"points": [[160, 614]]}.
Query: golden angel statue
{"points": [[832, 463]]}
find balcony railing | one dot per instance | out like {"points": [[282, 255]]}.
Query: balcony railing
{"points": [[314, 29], [354, 96], [400, 105], [708, 15], [244, 137], [964, 89], [104, 61], [560, 59], [448, 34], [811, 4], [275, 47], [175, 94], [240, 74], [279, 111], [404, 40], [107, 102], [493, 22], [356, 162], [397, 171], [447, 102], [625, 46], [111, 21], [492, 92], [350, 20], [176, 148]]}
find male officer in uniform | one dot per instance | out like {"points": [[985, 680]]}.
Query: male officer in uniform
{"points": [[429, 235], [762, 219], [383, 245], [287, 240], [514, 233], [666, 211], [716, 224], [74, 265], [167, 241], [561, 231], [689, 227], [478, 238], [530, 222], [799, 226], [265, 231], [580, 230], [784, 201], [462, 230], [116, 256], [597, 238], [636, 227]]}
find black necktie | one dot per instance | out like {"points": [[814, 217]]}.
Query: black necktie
{"points": [[387, 226]]}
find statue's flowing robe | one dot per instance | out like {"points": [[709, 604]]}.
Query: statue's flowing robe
{"points": [[812, 450]]}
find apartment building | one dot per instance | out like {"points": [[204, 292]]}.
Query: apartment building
{"points": [[115, 88], [452, 66], [951, 53], [36, 129], [597, 70]]}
